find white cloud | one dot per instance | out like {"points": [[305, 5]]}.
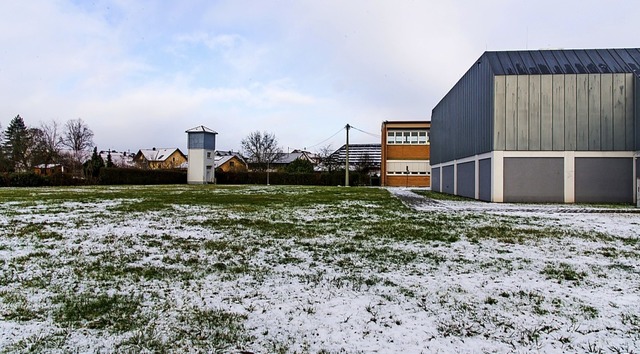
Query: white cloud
{"points": [[142, 72]]}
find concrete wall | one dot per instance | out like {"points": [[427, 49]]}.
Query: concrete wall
{"points": [[435, 179], [465, 179], [534, 179], [448, 179], [484, 176], [604, 180]]}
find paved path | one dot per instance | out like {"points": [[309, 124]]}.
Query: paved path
{"points": [[420, 203]]}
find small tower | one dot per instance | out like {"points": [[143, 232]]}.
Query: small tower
{"points": [[202, 147]]}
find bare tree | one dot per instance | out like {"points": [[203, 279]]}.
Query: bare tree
{"points": [[49, 141], [261, 148], [77, 136], [326, 159]]}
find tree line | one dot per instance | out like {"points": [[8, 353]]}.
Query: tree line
{"points": [[22, 148]]}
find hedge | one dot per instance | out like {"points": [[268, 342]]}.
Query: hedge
{"points": [[30, 179], [137, 176], [283, 178], [114, 176]]}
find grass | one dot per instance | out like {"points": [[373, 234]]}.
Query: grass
{"points": [[266, 269]]}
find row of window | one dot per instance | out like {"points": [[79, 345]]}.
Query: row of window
{"points": [[410, 173], [408, 167], [414, 137]]}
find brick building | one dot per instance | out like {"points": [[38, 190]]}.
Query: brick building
{"points": [[405, 154]]}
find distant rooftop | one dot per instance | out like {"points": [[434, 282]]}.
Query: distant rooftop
{"points": [[359, 154]]}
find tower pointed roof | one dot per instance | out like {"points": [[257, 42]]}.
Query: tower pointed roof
{"points": [[201, 129]]}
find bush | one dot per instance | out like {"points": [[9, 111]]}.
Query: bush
{"points": [[137, 176], [27, 179], [64, 179], [284, 178], [30, 179]]}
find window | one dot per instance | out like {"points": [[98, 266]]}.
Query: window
{"points": [[410, 137], [409, 167], [208, 154], [231, 163]]}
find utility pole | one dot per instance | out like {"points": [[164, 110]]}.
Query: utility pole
{"points": [[346, 167]]}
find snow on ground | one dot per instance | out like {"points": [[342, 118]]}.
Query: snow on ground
{"points": [[319, 278]]}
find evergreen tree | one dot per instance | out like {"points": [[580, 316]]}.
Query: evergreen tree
{"points": [[93, 166], [299, 166], [16, 143], [4, 167], [109, 161]]}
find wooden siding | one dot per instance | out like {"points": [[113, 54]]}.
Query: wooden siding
{"points": [[584, 112]]}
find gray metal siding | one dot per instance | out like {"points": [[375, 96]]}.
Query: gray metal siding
{"points": [[447, 180], [435, 179], [604, 180], [634, 137], [466, 179], [584, 112], [462, 122], [484, 176], [534, 179]]}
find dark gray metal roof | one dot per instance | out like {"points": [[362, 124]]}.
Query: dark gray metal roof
{"points": [[359, 154], [565, 61]]}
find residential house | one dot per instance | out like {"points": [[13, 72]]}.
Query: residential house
{"points": [[48, 169], [167, 158], [122, 159], [229, 161]]}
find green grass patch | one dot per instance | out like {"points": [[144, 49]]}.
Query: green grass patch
{"points": [[563, 272], [116, 313]]}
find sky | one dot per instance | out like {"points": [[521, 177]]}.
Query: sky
{"points": [[140, 73]]}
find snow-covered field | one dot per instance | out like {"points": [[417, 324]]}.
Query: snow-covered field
{"points": [[311, 270]]}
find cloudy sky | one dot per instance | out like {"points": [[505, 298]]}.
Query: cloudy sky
{"points": [[140, 73]]}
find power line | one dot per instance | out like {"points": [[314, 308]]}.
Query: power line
{"points": [[362, 131], [327, 139]]}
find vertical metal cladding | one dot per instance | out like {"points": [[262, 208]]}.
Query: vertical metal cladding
{"points": [[462, 123]]}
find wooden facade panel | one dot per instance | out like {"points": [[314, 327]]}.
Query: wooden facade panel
{"points": [[408, 181], [606, 112], [534, 112], [407, 152], [546, 112], [557, 125], [511, 112], [630, 142], [523, 113], [570, 112], [619, 111], [594, 112], [582, 109], [499, 105]]}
